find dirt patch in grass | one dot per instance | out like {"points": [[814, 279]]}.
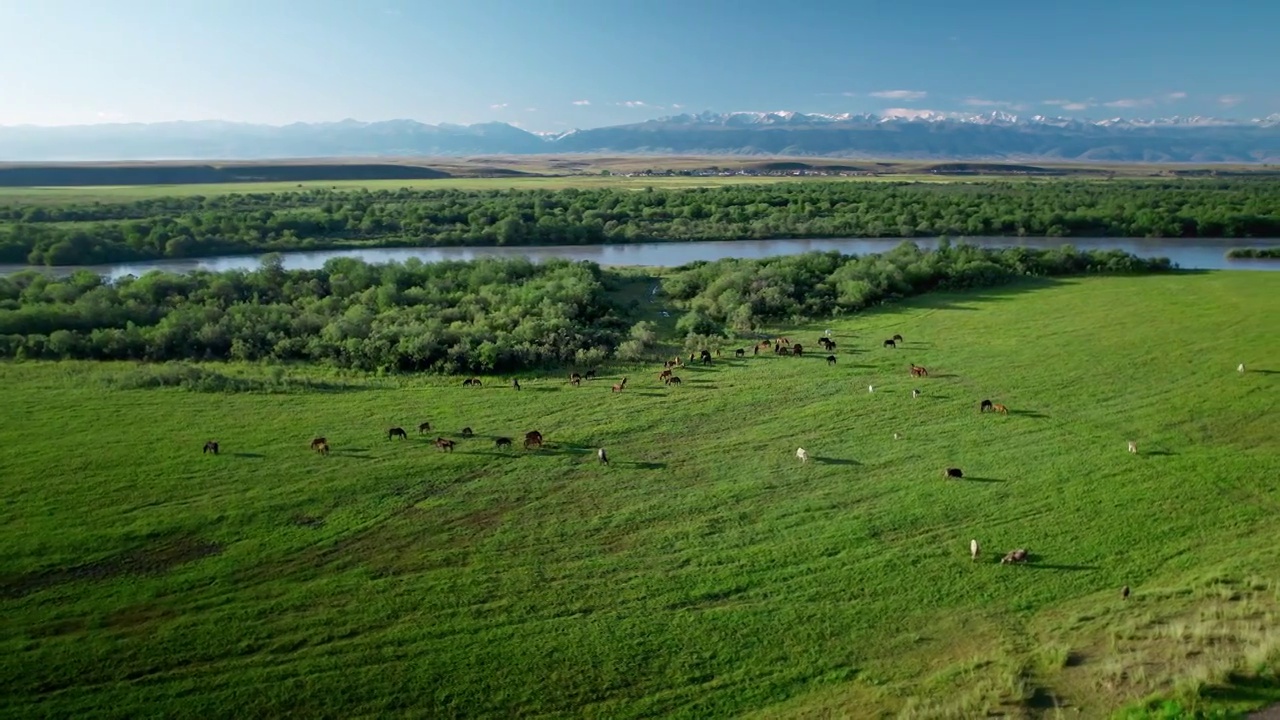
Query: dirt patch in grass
{"points": [[154, 558]]}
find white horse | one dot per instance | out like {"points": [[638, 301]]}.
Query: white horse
{"points": [[802, 454], [871, 388], [973, 549], [1240, 368], [1133, 447], [604, 459], [915, 393]]}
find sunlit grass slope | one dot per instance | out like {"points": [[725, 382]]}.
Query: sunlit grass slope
{"points": [[705, 572]]}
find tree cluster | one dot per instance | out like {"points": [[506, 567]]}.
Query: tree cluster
{"points": [[738, 296], [316, 219], [481, 316]]}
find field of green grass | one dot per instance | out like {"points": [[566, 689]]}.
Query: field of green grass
{"points": [[109, 194], [705, 572]]}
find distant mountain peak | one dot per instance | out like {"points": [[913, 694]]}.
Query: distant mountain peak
{"points": [[922, 134]]}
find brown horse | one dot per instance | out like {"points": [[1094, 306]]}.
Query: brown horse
{"points": [[320, 445], [673, 380], [1015, 556], [424, 427], [890, 343], [897, 338], [503, 442], [1000, 409], [466, 432], [210, 446], [831, 359], [620, 386], [765, 344], [515, 383], [664, 375], [532, 438], [397, 432], [797, 349], [444, 444], [917, 371], [739, 353], [575, 379], [471, 382]]}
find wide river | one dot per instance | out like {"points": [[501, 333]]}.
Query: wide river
{"points": [[1190, 254]]}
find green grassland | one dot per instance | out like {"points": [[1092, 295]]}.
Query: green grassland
{"points": [[706, 572], [110, 194]]}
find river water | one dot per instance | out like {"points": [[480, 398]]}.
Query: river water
{"points": [[1190, 254]]}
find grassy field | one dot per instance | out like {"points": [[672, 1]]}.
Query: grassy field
{"points": [[706, 572], [107, 194]]}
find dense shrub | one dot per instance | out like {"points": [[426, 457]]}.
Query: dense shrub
{"points": [[197, 226]]}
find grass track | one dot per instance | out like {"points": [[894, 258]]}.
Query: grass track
{"points": [[706, 573]]}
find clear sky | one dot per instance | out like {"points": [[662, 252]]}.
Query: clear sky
{"points": [[555, 64]]}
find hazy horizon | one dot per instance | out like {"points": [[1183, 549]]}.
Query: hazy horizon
{"points": [[565, 64]]}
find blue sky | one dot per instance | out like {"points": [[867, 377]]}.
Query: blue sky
{"points": [[555, 64]]}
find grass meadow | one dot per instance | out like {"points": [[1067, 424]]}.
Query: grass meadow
{"points": [[129, 193], [705, 572]]}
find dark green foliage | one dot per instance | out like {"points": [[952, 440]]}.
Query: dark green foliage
{"points": [[1271, 253], [745, 293], [481, 316], [197, 226], [487, 315]]}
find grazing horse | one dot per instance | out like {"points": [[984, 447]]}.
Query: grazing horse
{"points": [[515, 383], [502, 442], [673, 380], [785, 341], [466, 432], [1016, 556], [918, 371], [952, 473], [444, 444], [802, 454], [871, 388], [973, 549], [705, 357], [1133, 447], [831, 359], [317, 442], [591, 374], [739, 353], [1000, 409], [765, 344], [797, 349], [532, 438], [1240, 368], [897, 338], [471, 382], [824, 341], [1124, 593], [575, 379], [985, 406], [604, 459], [620, 386], [424, 427], [664, 375], [890, 343], [915, 393], [210, 446], [397, 432]]}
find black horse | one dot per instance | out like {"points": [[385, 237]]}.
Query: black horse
{"points": [[210, 446]]}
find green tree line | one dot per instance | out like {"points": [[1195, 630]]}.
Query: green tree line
{"points": [[315, 219], [492, 315]]}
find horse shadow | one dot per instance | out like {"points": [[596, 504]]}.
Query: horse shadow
{"points": [[1158, 453], [253, 456], [648, 393], [943, 375], [970, 478], [1033, 562], [1029, 414], [640, 465], [834, 461], [1266, 372]]}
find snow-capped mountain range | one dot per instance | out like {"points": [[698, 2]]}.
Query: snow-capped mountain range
{"points": [[897, 134]]}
